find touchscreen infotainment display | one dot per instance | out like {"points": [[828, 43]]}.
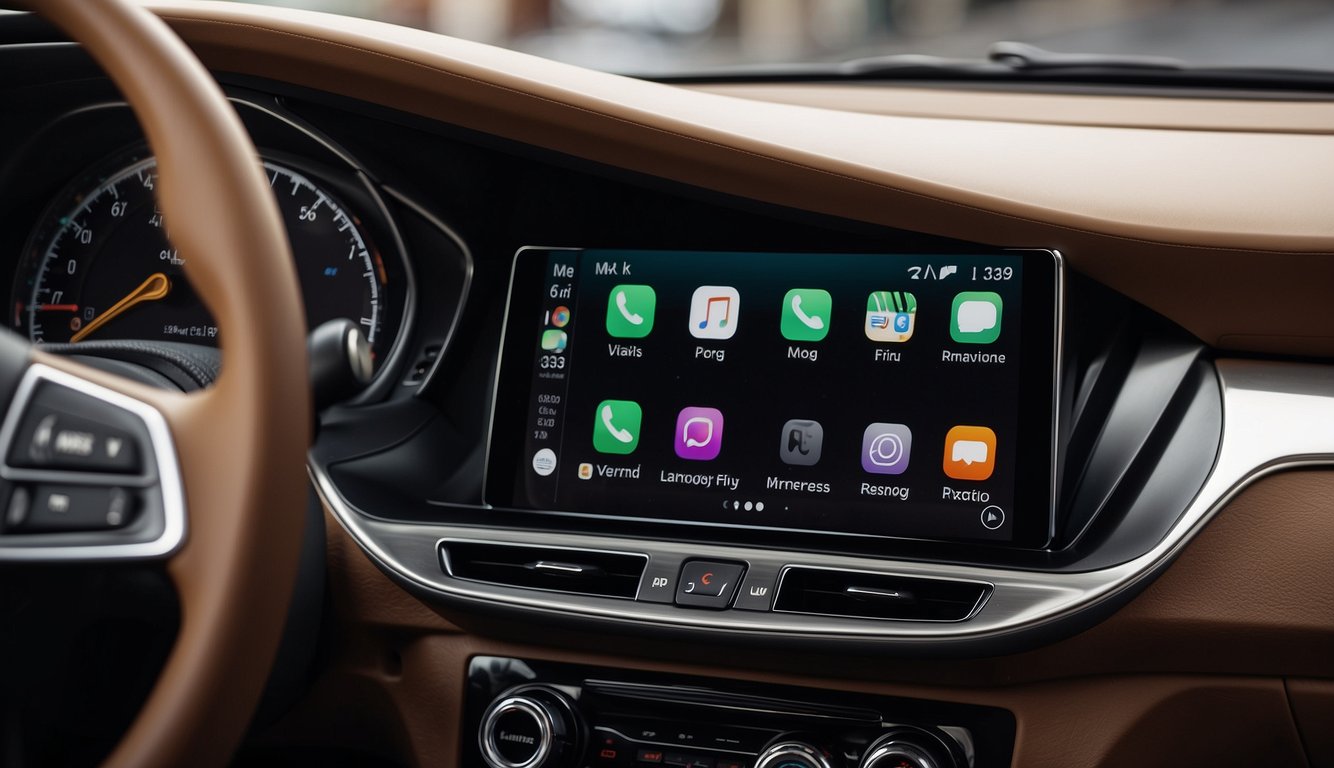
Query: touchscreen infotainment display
{"points": [[892, 395]]}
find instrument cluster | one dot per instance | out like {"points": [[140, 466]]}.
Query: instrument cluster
{"points": [[97, 262]]}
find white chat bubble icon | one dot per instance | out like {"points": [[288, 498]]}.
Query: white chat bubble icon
{"points": [[969, 452], [976, 316]]}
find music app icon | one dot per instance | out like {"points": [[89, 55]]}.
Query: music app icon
{"points": [[714, 311]]}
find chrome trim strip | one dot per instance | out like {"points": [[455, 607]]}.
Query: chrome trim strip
{"points": [[1276, 416], [987, 589], [776, 755], [469, 267], [668, 744], [500, 361], [1058, 348], [164, 454], [487, 735], [373, 388], [448, 565]]}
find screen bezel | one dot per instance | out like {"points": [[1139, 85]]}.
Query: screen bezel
{"points": [[1043, 276]]}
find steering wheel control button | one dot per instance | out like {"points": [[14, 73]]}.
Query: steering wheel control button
{"points": [[16, 513], [65, 430], [52, 508], [708, 584], [66, 442]]}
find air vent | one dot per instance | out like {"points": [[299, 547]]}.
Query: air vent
{"points": [[606, 574], [877, 596]]}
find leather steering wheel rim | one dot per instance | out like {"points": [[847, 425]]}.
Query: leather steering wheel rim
{"points": [[241, 444]]}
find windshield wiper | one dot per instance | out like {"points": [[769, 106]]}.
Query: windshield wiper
{"points": [[1030, 58], [1007, 58], [1012, 62]]}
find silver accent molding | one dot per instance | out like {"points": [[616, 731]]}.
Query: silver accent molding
{"points": [[894, 754], [1276, 416], [167, 479], [787, 753], [545, 727]]}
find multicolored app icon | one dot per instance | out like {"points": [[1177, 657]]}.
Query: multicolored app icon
{"points": [[560, 317], [699, 433], [630, 311], [714, 311], [554, 340], [616, 426], [806, 314], [975, 317], [890, 316], [970, 453], [886, 448]]}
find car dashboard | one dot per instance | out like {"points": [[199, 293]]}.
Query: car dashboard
{"points": [[1112, 324]]}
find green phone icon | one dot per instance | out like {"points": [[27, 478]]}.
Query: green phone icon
{"points": [[630, 311], [806, 314], [975, 317], [616, 426]]}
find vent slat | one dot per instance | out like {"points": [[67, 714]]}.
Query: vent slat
{"points": [[877, 596], [606, 574]]}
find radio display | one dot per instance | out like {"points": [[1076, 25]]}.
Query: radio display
{"points": [[896, 395]]}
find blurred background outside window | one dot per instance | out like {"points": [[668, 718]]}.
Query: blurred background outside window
{"points": [[672, 36]]}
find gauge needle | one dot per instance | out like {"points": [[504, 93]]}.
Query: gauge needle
{"points": [[155, 287]]}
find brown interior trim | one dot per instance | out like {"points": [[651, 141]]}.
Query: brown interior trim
{"points": [[1130, 184], [1109, 111], [1217, 218]]}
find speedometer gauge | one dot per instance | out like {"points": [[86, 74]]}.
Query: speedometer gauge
{"points": [[101, 264]]}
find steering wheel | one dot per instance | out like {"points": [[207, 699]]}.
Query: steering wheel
{"points": [[229, 461]]}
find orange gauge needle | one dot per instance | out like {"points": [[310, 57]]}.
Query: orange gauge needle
{"points": [[155, 287]]}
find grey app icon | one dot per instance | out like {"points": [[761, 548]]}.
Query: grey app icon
{"points": [[801, 442]]}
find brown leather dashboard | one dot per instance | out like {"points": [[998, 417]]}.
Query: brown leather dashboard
{"points": [[1228, 212]]}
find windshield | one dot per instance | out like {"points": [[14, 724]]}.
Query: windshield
{"points": [[661, 37]]}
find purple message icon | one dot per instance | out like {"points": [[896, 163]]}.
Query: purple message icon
{"points": [[699, 433], [886, 448]]}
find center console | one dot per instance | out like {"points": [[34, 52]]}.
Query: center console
{"points": [[942, 446], [531, 714], [760, 428]]}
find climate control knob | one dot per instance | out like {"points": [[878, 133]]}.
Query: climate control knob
{"points": [[532, 726], [787, 752], [905, 747]]}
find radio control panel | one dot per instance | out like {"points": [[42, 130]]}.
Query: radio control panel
{"points": [[530, 714]]}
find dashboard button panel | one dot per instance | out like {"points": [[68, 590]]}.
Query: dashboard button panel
{"points": [[708, 584], [658, 584], [757, 590], [636, 718]]}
